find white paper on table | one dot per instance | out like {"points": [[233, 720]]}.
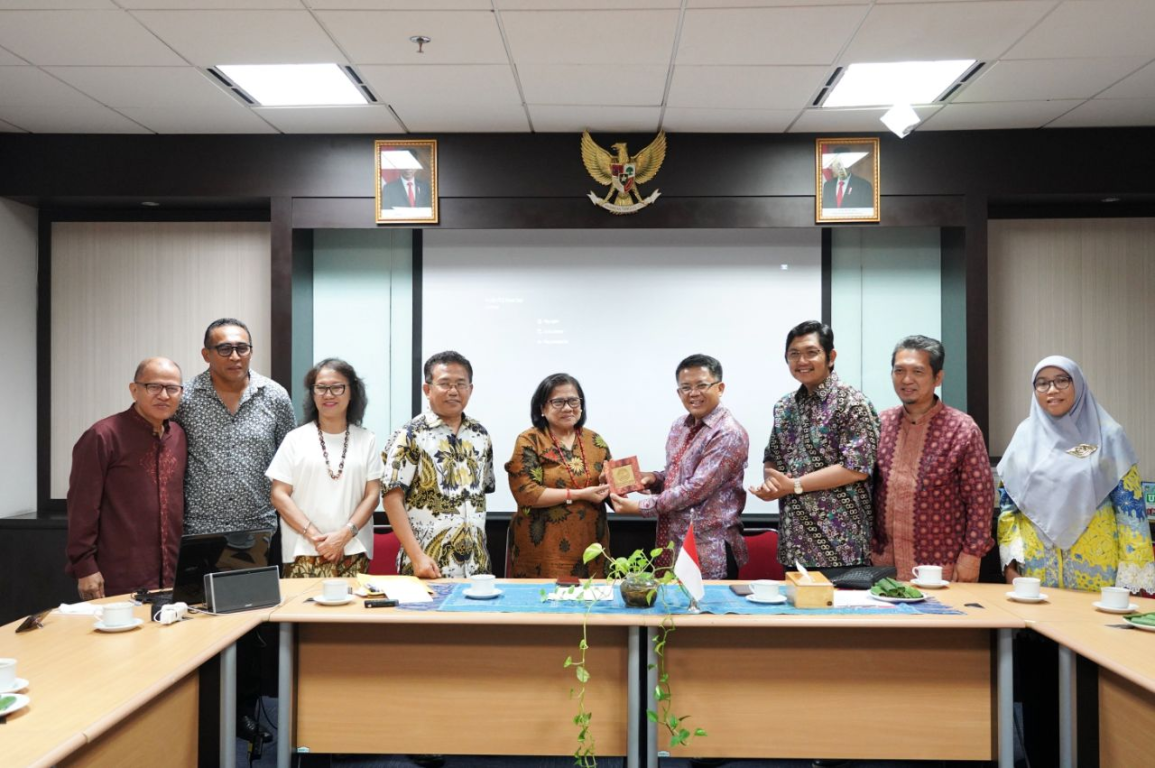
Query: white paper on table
{"points": [[597, 592], [80, 609], [851, 598], [403, 589]]}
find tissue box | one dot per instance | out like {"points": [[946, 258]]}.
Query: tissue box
{"points": [[818, 593]]}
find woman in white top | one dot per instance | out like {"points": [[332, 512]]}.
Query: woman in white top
{"points": [[327, 478]]}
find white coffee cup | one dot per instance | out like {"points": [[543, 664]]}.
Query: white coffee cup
{"points": [[1028, 587], [7, 674], [482, 583], [1116, 597], [765, 589], [116, 614], [928, 574], [334, 589]]}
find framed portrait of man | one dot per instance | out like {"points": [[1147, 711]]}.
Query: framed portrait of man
{"points": [[406, 181], [846, 180]]}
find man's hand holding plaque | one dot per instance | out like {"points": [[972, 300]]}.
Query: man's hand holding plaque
{"points": [[624, 476]]}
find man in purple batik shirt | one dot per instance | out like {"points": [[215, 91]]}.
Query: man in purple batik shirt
{"points": [[706, 456]]}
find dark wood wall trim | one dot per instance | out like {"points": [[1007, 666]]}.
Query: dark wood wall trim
{"points": [[281, 299], [827, 275], [44, 364], [977, 324], [418, 362]]}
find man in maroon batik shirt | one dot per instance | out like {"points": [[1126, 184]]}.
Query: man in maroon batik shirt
{"points": [[126, 490]]}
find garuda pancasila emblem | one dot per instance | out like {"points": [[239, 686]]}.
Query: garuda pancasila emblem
{"points": [[623, 173]]}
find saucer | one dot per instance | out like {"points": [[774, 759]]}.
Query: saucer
{"points": [[1131, 608], [767, 600], [101, 627], [320, 600], [21, 702], [487, 596], [886, 599], [1020, 599], [930, 584], [19, 685]]}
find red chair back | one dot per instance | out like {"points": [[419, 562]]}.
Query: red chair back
{"points": [[763, 562], [385, 549]]}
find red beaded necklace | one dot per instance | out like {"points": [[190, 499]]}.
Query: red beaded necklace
{"points": [[581, 449]]}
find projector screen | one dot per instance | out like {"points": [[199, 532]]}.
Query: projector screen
{"points": [[618, 310]]}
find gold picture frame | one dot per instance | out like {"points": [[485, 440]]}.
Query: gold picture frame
{"points": [[846, 187], [403, 198]]}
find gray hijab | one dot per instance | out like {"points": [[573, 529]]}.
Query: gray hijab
{"points": [[1058, 491]]}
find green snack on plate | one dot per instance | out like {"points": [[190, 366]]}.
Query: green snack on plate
{"points": [[891, 588], [1146, 619], [7, 701]]}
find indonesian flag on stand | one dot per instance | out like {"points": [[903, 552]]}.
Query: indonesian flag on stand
{"points": [[687, 567]]}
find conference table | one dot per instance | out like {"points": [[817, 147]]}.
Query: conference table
{"points": [[125, 698], [392, 680], [1125, 662]]}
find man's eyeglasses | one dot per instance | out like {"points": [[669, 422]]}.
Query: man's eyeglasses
{"points": [[562, 402], [227, 350], [809, 355], [155, 389], [1062, 383], [460, 386], [685, 390], [333, 389]]}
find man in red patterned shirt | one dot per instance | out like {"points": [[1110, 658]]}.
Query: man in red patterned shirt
{"points": [[933, 488]]}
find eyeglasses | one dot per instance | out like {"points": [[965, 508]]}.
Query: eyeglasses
{"points": [[227, 350], [685, 390], [810, 355], [336, 390], [562, 402], [460, 386], [155, 389], [1062, 383]]}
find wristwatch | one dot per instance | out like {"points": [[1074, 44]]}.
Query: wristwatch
{"points": [[352, 527], [798, 486]]}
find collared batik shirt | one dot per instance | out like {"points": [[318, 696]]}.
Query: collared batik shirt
{"points": [[445, 477], [933, 492], [836, 424], [702, 482], [225, 487]]}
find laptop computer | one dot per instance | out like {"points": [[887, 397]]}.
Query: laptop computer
{"points": [[204, 553]]}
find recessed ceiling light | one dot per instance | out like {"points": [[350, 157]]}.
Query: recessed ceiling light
{"points": [[899, 82], [150, 204], [294, 85], [1110, 199]]}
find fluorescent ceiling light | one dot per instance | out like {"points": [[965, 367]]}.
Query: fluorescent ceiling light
{"points": [[900, 82], [294, 85]]}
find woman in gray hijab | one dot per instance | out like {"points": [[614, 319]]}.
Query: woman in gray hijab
{"points": [[1072, 511]]}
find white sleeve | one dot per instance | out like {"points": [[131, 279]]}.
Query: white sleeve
{"points": [[375, 468], [284, 461]]}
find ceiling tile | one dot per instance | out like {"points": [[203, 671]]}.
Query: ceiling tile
{"points": [[624, 38], [585, 5], [551, 119], [32, 86], [144, 86], [1010, 114], [82, 37], [767, 35], [400, 5], [460, 118], [1102, 113], [1079, 28], [231, 117], [1140, 85], [10, 59], [211, 5], [445, 85], [684, 120], [770, 3], [939, 31], [57, 5], [382, 37], [209, 38], [746, 87], [1046, 79], [43, 118], [370, 119], [9, 128], [593, 84], [818, 120]]}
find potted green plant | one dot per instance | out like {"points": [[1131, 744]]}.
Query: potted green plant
{"points": [[640, 584]]}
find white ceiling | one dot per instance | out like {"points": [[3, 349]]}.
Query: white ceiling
{"points": [[138, 66]]}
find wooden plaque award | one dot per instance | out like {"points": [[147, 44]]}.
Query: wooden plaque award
{"points": [[624, 475]]}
